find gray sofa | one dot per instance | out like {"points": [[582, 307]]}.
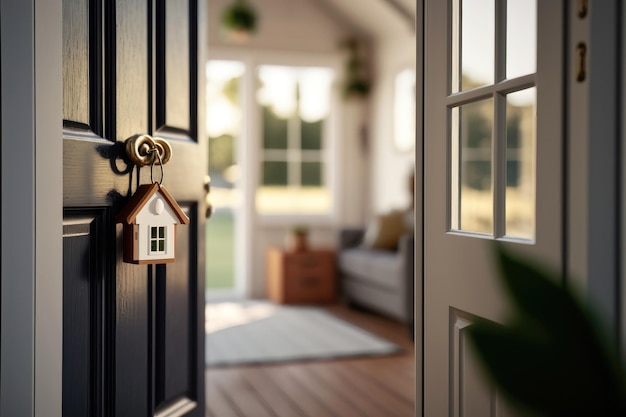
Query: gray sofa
{"points": [[379, 280]]}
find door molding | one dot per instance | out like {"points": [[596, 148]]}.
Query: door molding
{"points": [[593, 123], [418, 193], [31, 195]]}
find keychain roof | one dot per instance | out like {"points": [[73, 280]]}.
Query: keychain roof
{"points": [[129, 213]]}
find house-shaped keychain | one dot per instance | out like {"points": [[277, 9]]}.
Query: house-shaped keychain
{"points": [[150, 219]]}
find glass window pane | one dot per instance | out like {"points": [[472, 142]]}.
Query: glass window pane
{"points": [[153, 231], [293, 200], [153, 246], [274, 130], [222, 156], [404, 111], [220, 244], [277, 90], [474, 154], [223, 120], [520, 163], [521, 37], [311, 135], [477, 43], [162, 232], [314, 93], [274, 173], [311, 174], [161, 245]]}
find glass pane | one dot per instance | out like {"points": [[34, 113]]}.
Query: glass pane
{"points": [[220, 245], [404, 111], [311, 173], [477, 43], [314, 93], [520, 163], [521, 37], [161, 246], [153, 230], [274, 173], [475, 195], [153, 246], [223, 120], [274, 130], [222, 159], [293, 200], [278, 89], [223, 114], [162, 232], [312, 135]]}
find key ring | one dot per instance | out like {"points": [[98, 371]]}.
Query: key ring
{"points": [[158, 154]]}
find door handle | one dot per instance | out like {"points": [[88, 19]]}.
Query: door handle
{"points": [[142, 150], [207, 197]]}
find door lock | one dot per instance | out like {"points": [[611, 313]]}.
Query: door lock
{"points": [[144, 150]]}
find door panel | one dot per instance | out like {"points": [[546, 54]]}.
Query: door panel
{"points": [[176, 323], [130, 56], [131, 67], [470, 391], [174, 62], [76, 100], [131, 333], [469, 161], [82, 318]]}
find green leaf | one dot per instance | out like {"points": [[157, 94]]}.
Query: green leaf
{"points": [[550, 357]]}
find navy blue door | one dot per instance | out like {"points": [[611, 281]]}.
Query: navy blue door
{"points": [[133, 334]]}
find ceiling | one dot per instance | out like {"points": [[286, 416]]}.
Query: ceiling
{"points": [[374, 18]]}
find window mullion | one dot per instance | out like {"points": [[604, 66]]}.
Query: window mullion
{"points": [[500, 46], [293, 155], [499, 166], [499, 128]]}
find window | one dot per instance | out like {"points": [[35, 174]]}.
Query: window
{"points": [[404, 111], [294, 105], [225, 123], [157, 240], [492, 120]]}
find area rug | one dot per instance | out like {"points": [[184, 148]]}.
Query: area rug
{"points": [[255, 332]]}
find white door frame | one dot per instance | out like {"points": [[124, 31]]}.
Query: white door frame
{"points": [[419, 210], [31, 195], [593, 201]]}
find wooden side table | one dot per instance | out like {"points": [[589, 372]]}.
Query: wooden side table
{"points": [[301, 277]]}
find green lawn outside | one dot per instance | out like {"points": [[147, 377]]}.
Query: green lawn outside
{"points": [[220, 251]]}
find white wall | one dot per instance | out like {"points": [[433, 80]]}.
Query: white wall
{"points": [[284, 25], [306, 32], [389, 168]]}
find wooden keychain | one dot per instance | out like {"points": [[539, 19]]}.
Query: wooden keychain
{"points": [[150, 219]]}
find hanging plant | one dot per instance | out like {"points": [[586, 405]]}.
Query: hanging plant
{"points": [[239, 20], [356, 83]]}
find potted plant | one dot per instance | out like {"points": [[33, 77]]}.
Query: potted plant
{"points": [[239, 20], [299, 238]]}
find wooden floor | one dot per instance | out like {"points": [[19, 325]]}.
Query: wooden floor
{"points": [[357, 387]]}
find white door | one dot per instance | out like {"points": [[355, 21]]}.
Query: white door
{"points": [[493, 158]]}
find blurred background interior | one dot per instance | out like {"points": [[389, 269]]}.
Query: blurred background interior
{"points": [[311, 121]]}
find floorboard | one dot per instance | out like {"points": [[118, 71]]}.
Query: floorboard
{"points": [[348, 387]]}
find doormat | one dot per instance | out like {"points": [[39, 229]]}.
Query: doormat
{"points": [[257, 332]]}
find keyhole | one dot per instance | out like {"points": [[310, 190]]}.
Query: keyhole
{"points": [[581, 50]]}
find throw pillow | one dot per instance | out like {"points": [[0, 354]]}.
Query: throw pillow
{"points": [[384, 231]]}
